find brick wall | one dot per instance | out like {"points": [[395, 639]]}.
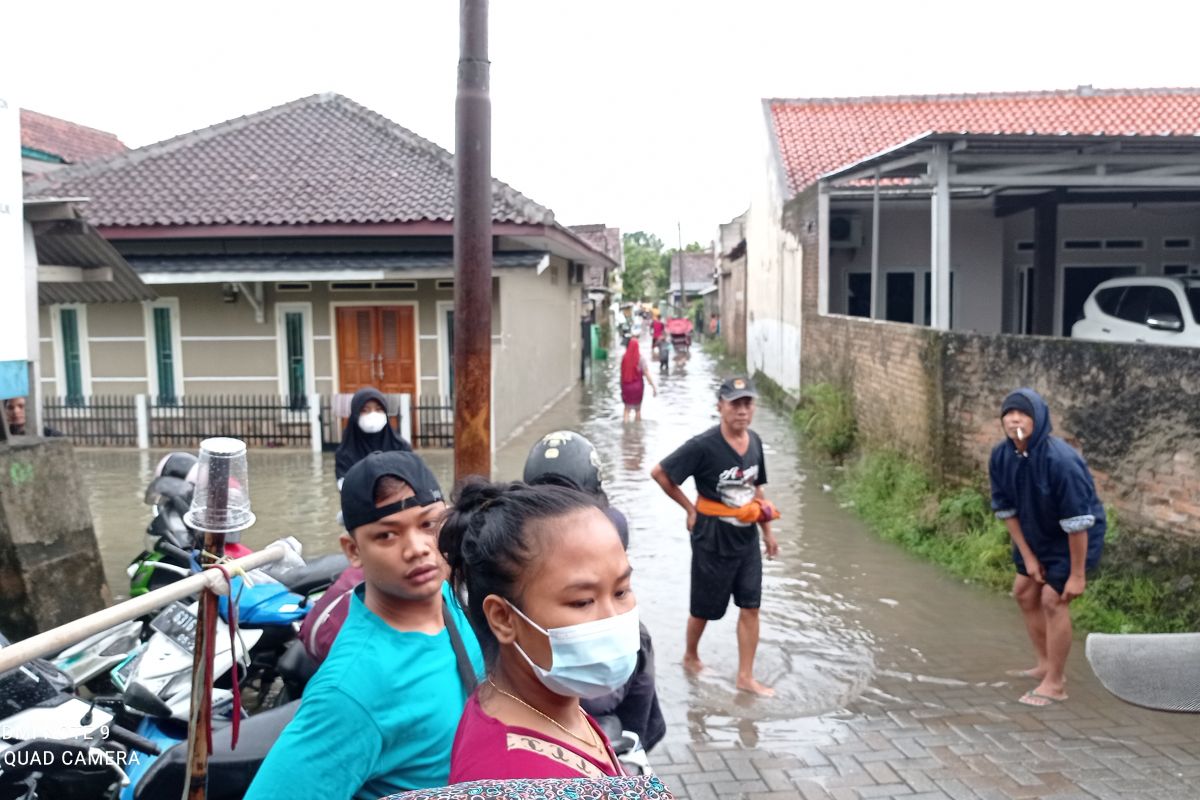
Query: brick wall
{"points": [[1132, 410]]}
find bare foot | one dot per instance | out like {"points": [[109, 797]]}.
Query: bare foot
{"points": [[693, 664], [754, 686], [1036, 673]]}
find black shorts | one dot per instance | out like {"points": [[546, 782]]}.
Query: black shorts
{"points": [[715, 577], [1056, 580]]}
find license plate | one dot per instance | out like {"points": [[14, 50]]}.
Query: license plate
{"points": [[178, 623]]}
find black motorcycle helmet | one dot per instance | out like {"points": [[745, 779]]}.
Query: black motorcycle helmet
{"points": [[175, 465], [565, 455]]}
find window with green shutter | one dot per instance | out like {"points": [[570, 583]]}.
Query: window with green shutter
{"points": [[164, 356], [294, 330], [72, 363]]}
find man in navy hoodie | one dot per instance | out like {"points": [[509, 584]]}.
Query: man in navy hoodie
{"points": [[1042, 489]]}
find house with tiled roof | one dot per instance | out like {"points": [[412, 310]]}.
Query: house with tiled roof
{"points": [[307, 249], [996, 213], [602, 284], [49, 143], [925, 255]]}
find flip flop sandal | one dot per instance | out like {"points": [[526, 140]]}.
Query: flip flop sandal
{"points": [[1039, 700]]}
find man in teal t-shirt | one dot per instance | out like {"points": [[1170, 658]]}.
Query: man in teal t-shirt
{"points": [[380, 714]]}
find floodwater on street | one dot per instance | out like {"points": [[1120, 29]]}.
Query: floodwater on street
{"points": [[846, 617]]}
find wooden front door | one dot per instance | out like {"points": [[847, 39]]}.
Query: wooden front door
{"points": [[377, 346]]}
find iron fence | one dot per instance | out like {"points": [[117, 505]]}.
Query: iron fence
{"points": [[258, 420], [434, 421], [96, 421]]}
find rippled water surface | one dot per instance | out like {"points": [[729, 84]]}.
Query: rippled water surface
{"points": [[841, 609]]}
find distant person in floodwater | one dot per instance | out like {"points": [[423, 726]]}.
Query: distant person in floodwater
{"points": [[658, 331], [1042, 489], [633, 373], [367, 430], [729, 469]]}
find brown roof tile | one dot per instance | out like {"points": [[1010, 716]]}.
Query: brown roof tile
{"points": [[71, 142], [320, 159], [816, 135]]}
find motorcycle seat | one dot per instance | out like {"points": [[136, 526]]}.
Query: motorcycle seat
{"points": [[320, 573], [229, 771]]}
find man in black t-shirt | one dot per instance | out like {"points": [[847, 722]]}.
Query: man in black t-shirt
{"points": [[726, 462]]}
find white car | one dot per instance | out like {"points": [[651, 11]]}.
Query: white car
{"points": [[1143, 309]]}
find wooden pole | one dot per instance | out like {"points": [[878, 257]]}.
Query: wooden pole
{"points": [[473, 247], [200, 729]]}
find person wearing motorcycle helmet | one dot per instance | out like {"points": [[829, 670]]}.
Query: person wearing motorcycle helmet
{"points": [[367, 431], [567, 458]]}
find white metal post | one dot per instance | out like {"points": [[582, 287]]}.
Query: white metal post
{"points": [[314, 422], [939, 317], [143, 421], [822, 248], [875, 249], [404, 417]]}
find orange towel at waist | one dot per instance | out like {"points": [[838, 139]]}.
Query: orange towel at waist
{"points": [[754, 511]]}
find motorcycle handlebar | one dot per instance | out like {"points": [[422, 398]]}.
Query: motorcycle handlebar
{"points": [[163, 546], [133, 741]]}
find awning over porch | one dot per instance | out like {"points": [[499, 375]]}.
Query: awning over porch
{"points": [[313, 266], [75, 263], [1018, 172]]}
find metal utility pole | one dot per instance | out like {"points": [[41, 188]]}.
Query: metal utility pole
{"points": [[473, 247], [679, 239]]}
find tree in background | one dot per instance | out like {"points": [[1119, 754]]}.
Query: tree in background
{"points": [[646, 264]]}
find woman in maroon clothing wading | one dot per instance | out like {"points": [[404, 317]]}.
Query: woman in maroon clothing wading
{"points": [[633, 372]]}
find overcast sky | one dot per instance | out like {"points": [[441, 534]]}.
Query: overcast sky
{"points": [[635, 114]]}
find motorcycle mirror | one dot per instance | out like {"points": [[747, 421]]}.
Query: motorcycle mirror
{"points": [[139, 698], [167, 487]]}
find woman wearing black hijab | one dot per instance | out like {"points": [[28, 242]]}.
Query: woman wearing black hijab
{"points": [[367, 430]]}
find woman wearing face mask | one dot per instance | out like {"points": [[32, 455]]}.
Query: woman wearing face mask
{"points": [[548, 594], [367, 430]]}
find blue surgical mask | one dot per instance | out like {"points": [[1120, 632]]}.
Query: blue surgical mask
{"points": [[590, 659]]}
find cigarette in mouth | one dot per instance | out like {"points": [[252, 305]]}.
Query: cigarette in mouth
{"points": [[1020, 434]]}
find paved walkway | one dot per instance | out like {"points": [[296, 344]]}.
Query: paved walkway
{"points": [[927, 741]]}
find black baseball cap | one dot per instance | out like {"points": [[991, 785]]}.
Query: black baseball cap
{"points": [[736, 388], [358, 488]]}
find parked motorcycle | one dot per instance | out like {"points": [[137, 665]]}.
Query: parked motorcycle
{"points": [[56, 746]]}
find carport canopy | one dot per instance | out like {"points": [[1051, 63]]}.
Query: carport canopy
{"points": [[1020, 172]]}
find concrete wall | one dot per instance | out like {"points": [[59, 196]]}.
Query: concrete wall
{"points": [[537, 357], [732, 282], [50, 567], [773, 275]]}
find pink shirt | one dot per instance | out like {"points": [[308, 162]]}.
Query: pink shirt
{"points": [[486, 748]]}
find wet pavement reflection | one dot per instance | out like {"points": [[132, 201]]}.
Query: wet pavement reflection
{"points": [[853, 629]]}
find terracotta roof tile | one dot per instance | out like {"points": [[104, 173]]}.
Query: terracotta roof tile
{"points": [[71, 142], [815, 136], [320, 159]]}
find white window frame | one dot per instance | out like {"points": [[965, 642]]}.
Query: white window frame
{"points": [[172, 305], [85, 360], [281, 365], [443, 335]]}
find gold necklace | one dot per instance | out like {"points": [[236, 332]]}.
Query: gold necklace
{"points": [[593, 743]]}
